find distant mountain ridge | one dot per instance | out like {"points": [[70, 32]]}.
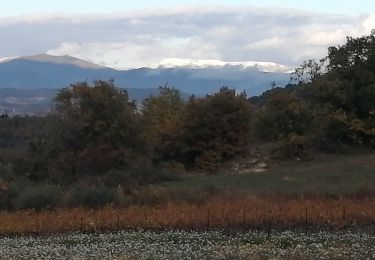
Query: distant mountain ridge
{"points": [[67, 60], [190, 76], [27, 84]]}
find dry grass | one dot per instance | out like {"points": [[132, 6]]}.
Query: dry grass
{"points": [[217, 212]]}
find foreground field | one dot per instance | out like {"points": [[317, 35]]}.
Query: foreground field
{"points": [[191, 245], [329, 193]]}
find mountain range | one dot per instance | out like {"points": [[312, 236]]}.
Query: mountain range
{"points": [[199, 77]]}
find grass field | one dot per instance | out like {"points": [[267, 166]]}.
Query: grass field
{"points": [[332, 176]]}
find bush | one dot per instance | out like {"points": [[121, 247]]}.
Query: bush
{"points": [[38, 197], [94, 196], [294, 146]]}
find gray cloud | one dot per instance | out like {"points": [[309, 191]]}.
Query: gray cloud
{"points": [[145, 37]]}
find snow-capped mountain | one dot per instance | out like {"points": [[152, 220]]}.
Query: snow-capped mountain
{"points": [[4, 59], [27, 84], [201, 64], [198, 77]]}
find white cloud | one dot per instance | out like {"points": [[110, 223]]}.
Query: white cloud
{"points": [[135, 54], [269, 43], [144, 38], [367, 26], [324, 38]]}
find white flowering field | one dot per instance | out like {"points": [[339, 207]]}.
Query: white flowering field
{"points": [[191, 245]]}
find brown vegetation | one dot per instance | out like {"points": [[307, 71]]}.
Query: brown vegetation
{"points": [[219, 212]]}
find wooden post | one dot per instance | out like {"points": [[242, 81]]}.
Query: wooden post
{"points": [[208, 219], [269, 224], [81, 225], [344, 218], [306, 221], [145, 218], [244, 219]]}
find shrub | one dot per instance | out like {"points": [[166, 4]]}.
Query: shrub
{"points": [[94, 196], [38, 197], [294, 146]]}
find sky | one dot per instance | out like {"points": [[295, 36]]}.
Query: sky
{"points": [[130, 34], [19, 7]]}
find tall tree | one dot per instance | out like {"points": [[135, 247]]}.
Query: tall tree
{"points": [[162, 121], [347, 90], [99, 129], [216, 128]]}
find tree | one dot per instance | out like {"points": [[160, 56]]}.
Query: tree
{"points": [[162, 121], [347, 91], [4, 116], [285, 119], [98, 129], [309, 71], [215, 128]]}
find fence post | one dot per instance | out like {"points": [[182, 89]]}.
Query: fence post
{"points": [[208, 219], [269, 224], [343, 218], [244, 219], [81, 225], [118, 222], [145, 219], [306, 221]]}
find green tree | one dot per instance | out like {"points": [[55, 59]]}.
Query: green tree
{"points": [[309, 71], [284, 119], [347, 91], [162, 122], [215, 128], [98, 129]]}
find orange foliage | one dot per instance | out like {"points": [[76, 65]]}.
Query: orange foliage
{"points": [[215, 213]]}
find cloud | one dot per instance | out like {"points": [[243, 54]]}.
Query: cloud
{"points": [[367, 25], [144, 38], [268, 43], [135, 53]]}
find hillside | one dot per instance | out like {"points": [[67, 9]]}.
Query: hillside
{"points": [[39, 101]]}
